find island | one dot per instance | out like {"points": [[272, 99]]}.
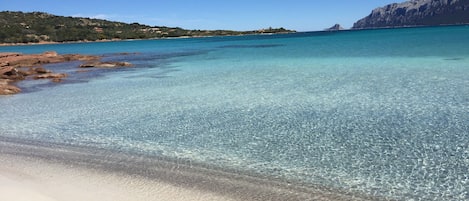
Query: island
{"points": [[336, 27]]}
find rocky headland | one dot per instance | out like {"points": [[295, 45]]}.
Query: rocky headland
{"points": [[15, 67], [417, 13]]}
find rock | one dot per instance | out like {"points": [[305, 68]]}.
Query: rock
{"points": [[56, 80], [7, 89], [417, 13], [51, 76], [82, 71], [106, 65], [127, 53], [16, 66], [336, 27], [6, 71], [28, 72], [9, 54], [10, 73], [50, 54], [21, 61], [79, 57], [4, 81], [41, 70]]}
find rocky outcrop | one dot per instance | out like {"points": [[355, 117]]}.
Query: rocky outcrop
{"points": [[16, 66], [20, 60], [28, 60], [55, 77], [41, 70], [336, 27], [7, 89], [417, 13], [9, 74]]}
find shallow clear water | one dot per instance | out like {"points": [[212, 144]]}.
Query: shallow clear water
{"points": [[382, 112]]}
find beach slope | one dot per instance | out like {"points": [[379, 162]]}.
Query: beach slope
{"points": [[54, 172]]}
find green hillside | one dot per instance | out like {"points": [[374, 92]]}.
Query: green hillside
{"points": [[19, 27]]}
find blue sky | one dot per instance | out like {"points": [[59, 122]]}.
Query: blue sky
{"points": [[301, 15]]}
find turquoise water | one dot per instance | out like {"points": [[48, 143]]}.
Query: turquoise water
{"points": [[380, 112]]}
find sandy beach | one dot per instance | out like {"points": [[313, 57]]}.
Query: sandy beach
{"points": [[24, 179], [48, 172]]}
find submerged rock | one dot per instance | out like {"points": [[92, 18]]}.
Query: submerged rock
{"points": [[41, 70], [27, 71], [9, 74], [106, 65], [80, 57], [7, 89], [51, 76]]}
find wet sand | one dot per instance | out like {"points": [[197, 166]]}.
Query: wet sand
{"points": [[51, 172]]}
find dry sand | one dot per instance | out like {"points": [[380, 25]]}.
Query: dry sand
{"points": [[23, 179]]}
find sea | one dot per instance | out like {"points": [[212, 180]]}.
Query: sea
{"points": [[378, 112]]}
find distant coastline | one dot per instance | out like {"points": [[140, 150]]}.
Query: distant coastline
{"points": [[184, 37], [44, 28], [67, 42], [117, 40]]}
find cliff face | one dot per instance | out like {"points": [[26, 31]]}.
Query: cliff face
{"points": [[417, 13]]}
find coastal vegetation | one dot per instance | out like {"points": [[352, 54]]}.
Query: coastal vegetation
{"points": [[35, 27]]}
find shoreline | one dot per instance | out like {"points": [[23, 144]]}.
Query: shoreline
{"points": [[136, 39], [68, 42], [185, 37], [32, 166], [26, 179]]}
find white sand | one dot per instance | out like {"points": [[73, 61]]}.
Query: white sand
{"points": [[50, 172], [24, 179]]}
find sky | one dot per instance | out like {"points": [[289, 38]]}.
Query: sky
{"points": [[241, 15]]}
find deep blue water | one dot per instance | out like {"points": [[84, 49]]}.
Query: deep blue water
{"points": [[381, 112]]}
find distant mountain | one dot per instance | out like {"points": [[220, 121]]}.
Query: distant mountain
{"points": [[19, 27], [417, 13]]}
